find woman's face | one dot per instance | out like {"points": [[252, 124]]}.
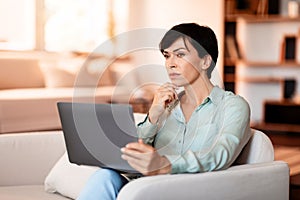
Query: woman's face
{"points": [[182, 62]]}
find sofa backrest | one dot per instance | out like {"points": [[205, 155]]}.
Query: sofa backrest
{"points": [[259, 149], [20, 73]]}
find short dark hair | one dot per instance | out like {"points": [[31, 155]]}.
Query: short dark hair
{"points": [[202, 38]]}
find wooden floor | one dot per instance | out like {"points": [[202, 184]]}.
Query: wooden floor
{"points": [[291, 155], [286, 141], [287, 148], [295, 187]]}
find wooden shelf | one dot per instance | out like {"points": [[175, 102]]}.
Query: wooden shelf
{"points": [[268, 64], [234, 17], [251, 18], [290, 128], [266, 18], [259, 79], [284, 102]]}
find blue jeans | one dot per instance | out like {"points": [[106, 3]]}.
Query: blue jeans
{"points": [[104, 184]]}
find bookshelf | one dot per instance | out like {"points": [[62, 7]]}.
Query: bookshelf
{"points": [[262, 52], [255, 10]]}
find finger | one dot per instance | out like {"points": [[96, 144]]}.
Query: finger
{"points": [[167, 99], [140, 147], [167, 96], [133, 162], [132, 153], [168, 90], [136, 165], [171, 85], [137, 154], [130, 158], [142, 169], [133, 157]]}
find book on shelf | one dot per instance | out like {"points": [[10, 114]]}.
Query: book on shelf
{"points": [[253, 7], [289, 48], [231, 47]]}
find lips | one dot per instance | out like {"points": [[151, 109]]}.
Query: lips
{"points": [[174, 75]]}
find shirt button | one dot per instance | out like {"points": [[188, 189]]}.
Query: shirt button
{"points": [[179, 141]]}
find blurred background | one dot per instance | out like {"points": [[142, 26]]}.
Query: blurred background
{"points": [[48, 44]]}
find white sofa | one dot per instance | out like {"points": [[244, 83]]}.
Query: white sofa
{"points": [[27, 158]]}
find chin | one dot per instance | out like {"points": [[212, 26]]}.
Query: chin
{"points": [[178, 83], [175, 82]]}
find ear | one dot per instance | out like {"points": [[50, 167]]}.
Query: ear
{"points": [[206, 61]]}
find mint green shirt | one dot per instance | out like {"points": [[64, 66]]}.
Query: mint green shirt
{"points": [[212, 138]]}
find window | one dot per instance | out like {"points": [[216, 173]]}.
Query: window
{"points": [[68, 25], [17, 20]]}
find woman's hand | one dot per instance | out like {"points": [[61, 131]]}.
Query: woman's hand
{"points": [[164, 95], [145, 159]]}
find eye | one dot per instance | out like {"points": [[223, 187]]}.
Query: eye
{"points": [[180, 55], [166, 55]]}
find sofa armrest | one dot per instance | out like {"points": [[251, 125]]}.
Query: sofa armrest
{"points": [[252, 181], [27, 158]]}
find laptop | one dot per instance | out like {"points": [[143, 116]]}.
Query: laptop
{"points": [[95, 133]]}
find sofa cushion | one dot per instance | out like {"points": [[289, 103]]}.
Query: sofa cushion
{"points": [[67, 178], [27, 158], [28, 192], [56, 77], [35, 109], [82, 71], [20, 73]]}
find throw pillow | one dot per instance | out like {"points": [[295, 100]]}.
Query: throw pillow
{"points": [[68, 179], [56, 75]]}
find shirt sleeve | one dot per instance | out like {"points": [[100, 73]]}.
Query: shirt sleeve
{"points": [[147, 131], [233, 135]]}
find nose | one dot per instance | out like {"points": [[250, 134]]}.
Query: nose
{"points": [[171, 62], [171, 66]]}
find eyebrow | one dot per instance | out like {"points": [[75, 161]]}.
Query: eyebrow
{"points": [[180, 48]]}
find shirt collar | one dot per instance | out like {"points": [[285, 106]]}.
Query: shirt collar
{"points": [[216, 95]]}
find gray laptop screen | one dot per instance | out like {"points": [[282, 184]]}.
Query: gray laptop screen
{"points": [[95, 133]]}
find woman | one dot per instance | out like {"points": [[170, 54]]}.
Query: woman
{"points": [[201, 129]]}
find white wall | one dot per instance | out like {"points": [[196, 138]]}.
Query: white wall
{"points": [[163, 14], [261, 42], [257, 92]]}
